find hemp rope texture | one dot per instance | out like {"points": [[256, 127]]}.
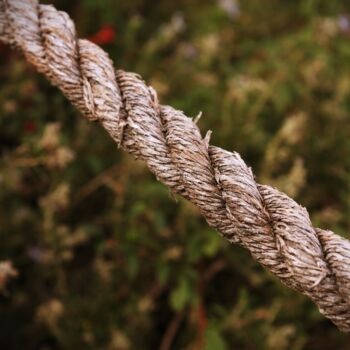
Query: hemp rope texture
{"points": [[276, 230]]}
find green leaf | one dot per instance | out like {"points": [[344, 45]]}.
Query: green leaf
{"points": [[214, 340], [212, 244], [163, 272], [181, 295]]}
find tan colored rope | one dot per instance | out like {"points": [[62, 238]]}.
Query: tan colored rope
{"points": [[276, 230]]}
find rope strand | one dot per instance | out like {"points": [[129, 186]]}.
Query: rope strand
{"points": [[273, 227]]}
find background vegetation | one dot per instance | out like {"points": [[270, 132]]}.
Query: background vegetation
{"points": [[95, 252]]}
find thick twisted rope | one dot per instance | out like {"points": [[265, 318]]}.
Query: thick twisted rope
{"points": [[276, 230]]}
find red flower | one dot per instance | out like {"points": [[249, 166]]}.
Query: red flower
{"points": [[29, 127], [105, 35]]}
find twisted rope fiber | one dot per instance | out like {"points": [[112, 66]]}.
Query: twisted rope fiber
{"points": [[276, 230]]}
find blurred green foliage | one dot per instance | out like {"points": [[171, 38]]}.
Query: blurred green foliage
{"points": [[105, 258]]}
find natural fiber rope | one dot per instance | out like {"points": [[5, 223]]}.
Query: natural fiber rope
{"points": [[276, 230]]}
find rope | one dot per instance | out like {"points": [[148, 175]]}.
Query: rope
{"points": [[276, 230]]}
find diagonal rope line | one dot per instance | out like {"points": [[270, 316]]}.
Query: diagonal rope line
{"points": [[273, 227]]}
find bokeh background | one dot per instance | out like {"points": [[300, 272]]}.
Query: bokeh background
{"points": [[96, 253]]}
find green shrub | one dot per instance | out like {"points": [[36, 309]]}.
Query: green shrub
{"points": [[104, 257]]}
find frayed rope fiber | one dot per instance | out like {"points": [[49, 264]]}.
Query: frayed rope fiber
{"points": [[276, 230]]}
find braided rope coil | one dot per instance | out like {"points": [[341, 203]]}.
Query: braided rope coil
{"points": [[276, 230]]}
